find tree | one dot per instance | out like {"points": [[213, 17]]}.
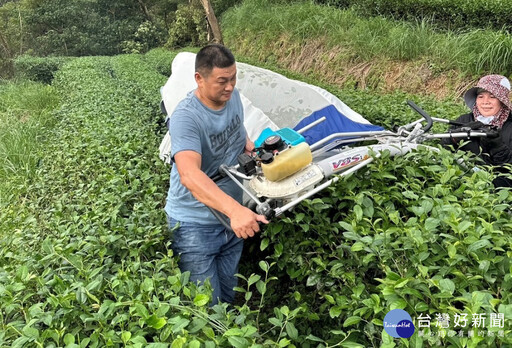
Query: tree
{"points": [[213, 24], [84, 27], [12, 30]]}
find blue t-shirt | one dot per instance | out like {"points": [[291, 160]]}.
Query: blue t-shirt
{"points": [[219, 137]]}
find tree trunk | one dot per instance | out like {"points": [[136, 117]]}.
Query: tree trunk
{"points": [[144, 10], [21, 31], [5, 46], [212, 21]]}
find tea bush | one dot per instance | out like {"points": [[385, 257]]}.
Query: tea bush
{"points": [[410, 233], [38, 69], [452, 14], [80, 264], [160, 59], [189, 27]]}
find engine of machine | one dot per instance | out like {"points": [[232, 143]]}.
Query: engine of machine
{"points": [[279, 154]]}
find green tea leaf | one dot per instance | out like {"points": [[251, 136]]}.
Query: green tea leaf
{"points": [[264, 266], [284, 342], [234, 332], [141, 310], [180, 325], [69, 339], [201, 300], [351, 321], [359, 212], [292, 331], [156, 322], [447, 285], [261, 286], [264, 243], [452, 250], [314, 338], [34, 333], [335, 312], [357, 246], [125, 336], [479, 244], [253, 279], [238, 342]]}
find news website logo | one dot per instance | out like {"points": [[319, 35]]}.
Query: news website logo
{"points": [[398, 324]]}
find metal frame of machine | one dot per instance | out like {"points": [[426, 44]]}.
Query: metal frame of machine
{"points": [[331, 160]]}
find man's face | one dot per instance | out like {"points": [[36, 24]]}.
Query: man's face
{"points": [[216, 88], [487, 104]]}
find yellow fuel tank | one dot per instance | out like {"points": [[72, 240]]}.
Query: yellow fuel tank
{"points": [[288, 162]]}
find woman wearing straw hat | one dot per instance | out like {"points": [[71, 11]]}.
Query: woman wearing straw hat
{"points": [[490, 108]]}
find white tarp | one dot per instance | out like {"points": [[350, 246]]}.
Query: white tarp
{"points": [[269, 99]]}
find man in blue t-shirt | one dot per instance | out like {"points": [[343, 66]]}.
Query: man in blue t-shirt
{"points": [[206, 131]]}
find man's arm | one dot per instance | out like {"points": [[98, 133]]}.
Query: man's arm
{"points": [[249, 146], [244, 222]]}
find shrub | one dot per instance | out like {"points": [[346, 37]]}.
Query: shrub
{"points": [[103, 267], [6, 68], [160, 59], [146, 37], [25, 116], [39, 69], [189, 27]]}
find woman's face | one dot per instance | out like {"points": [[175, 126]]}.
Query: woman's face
{"points": [[487, 104]]}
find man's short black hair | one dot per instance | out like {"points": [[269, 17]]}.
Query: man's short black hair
{"points": [[213, 56]]}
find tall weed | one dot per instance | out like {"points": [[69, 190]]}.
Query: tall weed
{"points": [[494, 50], [473, 52], [25, 114]]}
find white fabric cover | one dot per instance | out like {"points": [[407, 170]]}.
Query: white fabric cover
{"points": [[269, 99]]}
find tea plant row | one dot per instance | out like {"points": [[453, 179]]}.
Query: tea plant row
{"points": [[446, 14]]}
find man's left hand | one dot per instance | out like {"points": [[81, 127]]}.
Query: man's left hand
{"points": [[249, 147]]}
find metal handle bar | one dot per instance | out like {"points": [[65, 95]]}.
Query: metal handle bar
{"points": [[442, 120], [225, 221], [468, 134], [222, 219], [262, 208], [353, 135], [422, 113]]}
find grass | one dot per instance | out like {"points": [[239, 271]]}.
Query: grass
{"points": [[472, 52], [25, 111]]}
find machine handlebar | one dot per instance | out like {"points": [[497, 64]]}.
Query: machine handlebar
{"points": [[422, 113]]}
